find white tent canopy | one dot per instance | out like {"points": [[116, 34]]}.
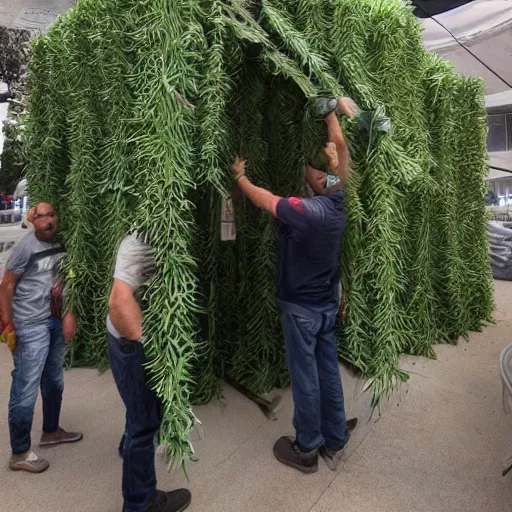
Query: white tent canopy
{"points": [[21, 189], [500, 103], [476, 38]]}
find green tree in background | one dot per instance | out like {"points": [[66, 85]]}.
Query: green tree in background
{"points": [[14, 58], [12, 160]]}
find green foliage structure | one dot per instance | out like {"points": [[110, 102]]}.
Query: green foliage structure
{"points": [[113, 148]]}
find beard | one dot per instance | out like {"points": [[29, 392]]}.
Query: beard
{"points": [[47, 232]]}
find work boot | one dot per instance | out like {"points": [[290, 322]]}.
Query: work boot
{"points": [[59, 437], [287, 452], [29, 462], [174, 501], [332, 458]]}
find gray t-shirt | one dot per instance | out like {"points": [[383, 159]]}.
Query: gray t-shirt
{"points": [[36, 262], [135, 266]]}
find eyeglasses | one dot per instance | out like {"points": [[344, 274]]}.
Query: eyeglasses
{"points": [[51, 215]]}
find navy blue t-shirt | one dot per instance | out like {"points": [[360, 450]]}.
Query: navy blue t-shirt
{"points": [[310, 232]]}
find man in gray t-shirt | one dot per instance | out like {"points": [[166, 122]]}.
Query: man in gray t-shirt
{"points": [[135, 267], [36, 329]]}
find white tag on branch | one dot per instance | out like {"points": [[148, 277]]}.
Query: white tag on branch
{"points": [[227, 220]]}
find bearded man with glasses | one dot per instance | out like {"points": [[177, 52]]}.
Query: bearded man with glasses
{"points": [[36, 325]]}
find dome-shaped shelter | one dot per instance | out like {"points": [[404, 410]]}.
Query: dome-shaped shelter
{"points": [[113, 146]]}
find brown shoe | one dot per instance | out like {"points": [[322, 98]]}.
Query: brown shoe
{"points": [[333, 458], [60, 437], [351, 426], [287, 452], [28, 462]]}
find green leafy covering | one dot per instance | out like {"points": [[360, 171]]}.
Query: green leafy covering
{"points": [[112, 147]]}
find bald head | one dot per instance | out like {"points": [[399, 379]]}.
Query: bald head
{"points": [[44, 219], [43, 206]]}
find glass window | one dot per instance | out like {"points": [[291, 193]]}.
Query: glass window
{"points": [[497, 136]]}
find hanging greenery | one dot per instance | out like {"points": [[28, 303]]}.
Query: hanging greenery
{"points": [[112, 146]]}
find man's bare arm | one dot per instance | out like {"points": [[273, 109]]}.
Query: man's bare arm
{"points": [[69, 326], [125, 312], [260, 197], [349, 108], [335, 134], [6, 293]]}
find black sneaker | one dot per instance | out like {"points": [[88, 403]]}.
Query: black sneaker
{"points": [[332, 458], [178, 500], [287, 452], [174, 501], [159, 502]]}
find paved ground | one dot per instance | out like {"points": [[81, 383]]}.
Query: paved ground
{"points": [[31, 14], [441, 449]]}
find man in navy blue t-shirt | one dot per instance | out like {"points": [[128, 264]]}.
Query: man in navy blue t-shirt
{"points": [[309, 294]]}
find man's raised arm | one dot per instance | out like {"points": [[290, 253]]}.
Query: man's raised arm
{"points": [[347, 107], [260, 197]]}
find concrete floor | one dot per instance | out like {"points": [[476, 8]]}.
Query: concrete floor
{"points": [[441, 448], [31, 14]]}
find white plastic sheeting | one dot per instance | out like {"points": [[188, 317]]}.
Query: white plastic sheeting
{"points": [[501, 161], [477, 39], [500, 250], [21, 189], [499, 103]]}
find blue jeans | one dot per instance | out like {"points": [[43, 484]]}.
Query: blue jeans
{"points": [[38, 361], [143, 419], [319, 410]]}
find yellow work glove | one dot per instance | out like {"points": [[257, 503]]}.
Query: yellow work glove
{"points": [[9, 336]]}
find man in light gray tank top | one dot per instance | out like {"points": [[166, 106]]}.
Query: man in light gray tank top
{"points": [[135, 266]]}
